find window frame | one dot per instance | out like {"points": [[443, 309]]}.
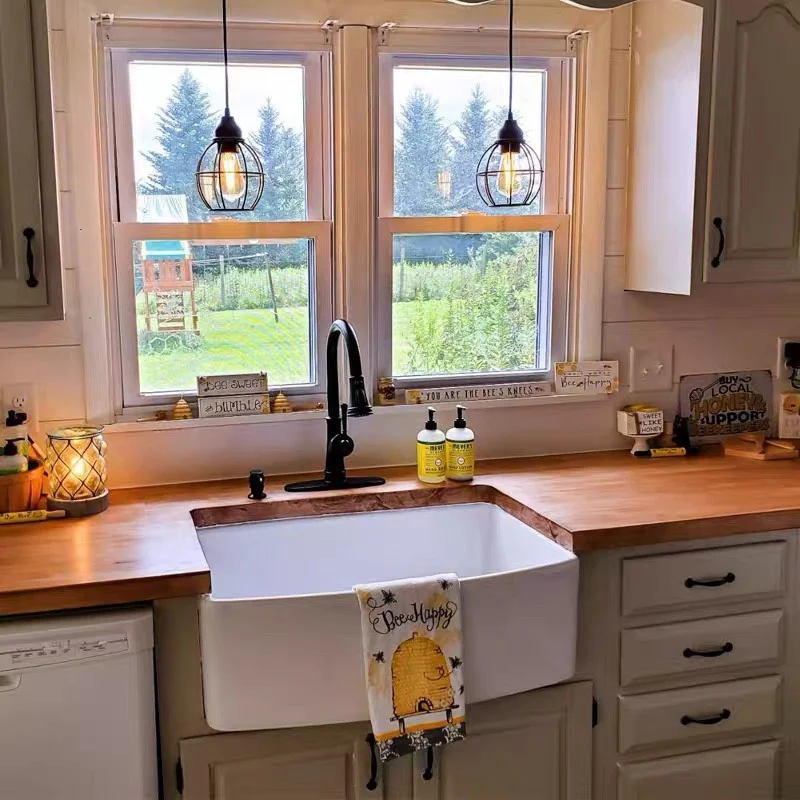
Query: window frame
{"points": [[249, 44], [553, 55]]}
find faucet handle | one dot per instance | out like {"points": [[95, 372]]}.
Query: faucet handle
{"points": [[343, 409]]}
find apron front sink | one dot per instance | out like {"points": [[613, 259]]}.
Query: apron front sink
{"points": [[280, 632]]}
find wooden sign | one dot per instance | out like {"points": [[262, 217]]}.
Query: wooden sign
{"points": [[587, 377], [463, 394], [726, 404], [243, 405], [224, 385]]}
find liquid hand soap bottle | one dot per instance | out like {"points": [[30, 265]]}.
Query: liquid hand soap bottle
{"points": [[431, 451], [460, 449]]}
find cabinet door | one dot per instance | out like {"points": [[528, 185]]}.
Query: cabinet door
{"points": [[755, 143], [28, 194], [329, 763], [533, 746]]}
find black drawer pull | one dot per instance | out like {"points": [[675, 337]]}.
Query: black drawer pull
{"points": [[32, 280], [372, 783], [689, 583], [716, 653], [717, 260], [713, 720]]}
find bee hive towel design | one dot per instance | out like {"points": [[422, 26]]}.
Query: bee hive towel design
{"points": [[413, 663]]}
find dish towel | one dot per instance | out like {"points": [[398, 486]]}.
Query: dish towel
{"points": [[413, 662]]}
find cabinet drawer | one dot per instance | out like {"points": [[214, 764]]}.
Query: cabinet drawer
{"points": [[683, 648], [702, 577], [702, 712], [733, 773]]}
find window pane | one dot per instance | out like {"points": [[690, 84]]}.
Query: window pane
{"points": [[470, 303], [444, 120], [175, 107], [215, 307]]}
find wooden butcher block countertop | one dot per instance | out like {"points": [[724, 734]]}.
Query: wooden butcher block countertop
{"points": [[145, 546]]}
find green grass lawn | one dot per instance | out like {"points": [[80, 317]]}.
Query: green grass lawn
{"points": [[249, 341], [231, 342]]}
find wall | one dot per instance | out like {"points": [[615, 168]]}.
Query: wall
{"points": [[718, 328]]}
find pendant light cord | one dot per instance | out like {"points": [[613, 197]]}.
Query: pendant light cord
{"points": [[225, 51], [510, 56]]}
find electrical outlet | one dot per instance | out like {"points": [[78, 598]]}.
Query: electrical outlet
{"points": [[22, 397], [782, 372], [651, 369]]}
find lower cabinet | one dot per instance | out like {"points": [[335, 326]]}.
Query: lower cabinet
{"points": [[536, 746], [328, 763], [749, 772]]}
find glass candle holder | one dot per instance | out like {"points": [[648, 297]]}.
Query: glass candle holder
{"points": [[76, 466]]}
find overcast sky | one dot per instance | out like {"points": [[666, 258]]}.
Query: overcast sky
{"points": [[151, 84]]}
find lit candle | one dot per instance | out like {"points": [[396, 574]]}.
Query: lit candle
{"points": [[77, 469]]}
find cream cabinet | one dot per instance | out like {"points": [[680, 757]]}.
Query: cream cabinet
{"points": [[330, 763], [754, 207], [535, 745], [30, 268], [692, 649], [733, 773], [714, 159]]}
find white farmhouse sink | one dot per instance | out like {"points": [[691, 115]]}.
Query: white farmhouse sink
{"points": [[281, 634]]}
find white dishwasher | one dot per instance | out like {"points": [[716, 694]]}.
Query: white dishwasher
{"points": [[77, 708]]}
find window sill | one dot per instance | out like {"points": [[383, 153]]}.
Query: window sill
{"points": [[313, 416]]}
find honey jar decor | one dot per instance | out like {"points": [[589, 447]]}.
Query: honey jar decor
{"points": [[76, 465]]}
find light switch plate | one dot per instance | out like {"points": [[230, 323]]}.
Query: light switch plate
{"points": [[651, 369]]}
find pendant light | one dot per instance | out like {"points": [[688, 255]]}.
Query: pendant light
{"points": [[229, 173], [510, 171]]}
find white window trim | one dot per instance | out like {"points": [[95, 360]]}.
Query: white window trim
{"points": [[449, 48], [558, 294], [88, 180], [177, 41]]}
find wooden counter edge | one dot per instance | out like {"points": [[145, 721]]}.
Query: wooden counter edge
{"points": [[105, 593]]}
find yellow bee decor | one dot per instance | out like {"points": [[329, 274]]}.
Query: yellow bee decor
{"points": [[280, 405], [420, 679], [181, 410]]}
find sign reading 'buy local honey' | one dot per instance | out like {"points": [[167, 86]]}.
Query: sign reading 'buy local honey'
{"points": [[726, 404]]}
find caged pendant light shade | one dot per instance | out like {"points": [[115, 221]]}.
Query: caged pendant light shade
{"points": [[509, 172], [229, 174]]}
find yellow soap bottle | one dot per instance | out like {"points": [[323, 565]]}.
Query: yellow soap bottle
{"points": [[430, 451], [460, 449]]}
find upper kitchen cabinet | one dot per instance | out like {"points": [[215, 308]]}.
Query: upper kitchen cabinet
{"points": [[671, 60], [714, 154], [753, 221], [30, 265]]}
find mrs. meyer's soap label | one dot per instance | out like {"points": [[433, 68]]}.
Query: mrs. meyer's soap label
{"points": [[241, 406], [460, 459]]}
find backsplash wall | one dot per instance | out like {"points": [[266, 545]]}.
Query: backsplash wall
{"points": [[718, 328]]}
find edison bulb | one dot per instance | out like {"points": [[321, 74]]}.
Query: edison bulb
{"points": [[231, 178], [508, 179]]}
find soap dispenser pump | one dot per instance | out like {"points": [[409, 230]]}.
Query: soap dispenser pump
{"points": [[431, 451], [460, 449]]}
